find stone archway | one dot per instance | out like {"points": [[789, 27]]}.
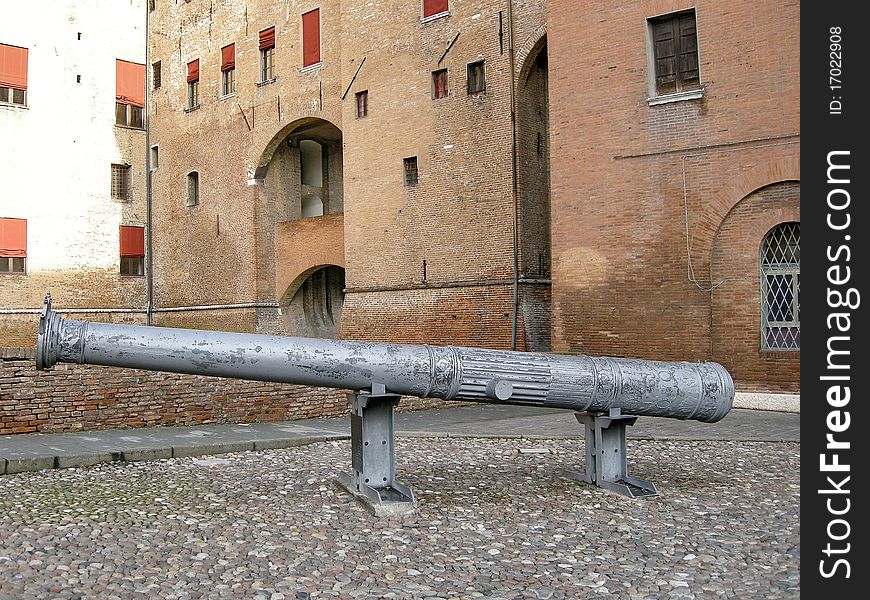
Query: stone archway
{"points": [[299, 223]]}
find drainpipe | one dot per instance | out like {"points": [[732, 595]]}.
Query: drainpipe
{"points": [[516, 298], [149, 262]]}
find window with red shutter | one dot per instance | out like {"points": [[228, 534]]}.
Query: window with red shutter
{"points": [[267, 55], [132, 244], [13, 245], [439, 84], [13, 75], [129, 94], [228, 70], [193, 84], [434, 7], [311, 38]]}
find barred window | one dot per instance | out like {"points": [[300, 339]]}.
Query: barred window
{"points": [[121, 182], [411, 174], [780, 288]]}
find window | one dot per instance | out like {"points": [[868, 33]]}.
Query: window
{"points": [[129, 94], [362, 104], [13, 245], [121, 182], [132, 250], [155, 76], [476, 78], [311, 38], [781, 288], [434, 7], [228, 70], [267, 55], [192, 188], [155, 157], [152, 4], [675, 53], [439, 84], [411, 174], [193, 84], [13, 75]]}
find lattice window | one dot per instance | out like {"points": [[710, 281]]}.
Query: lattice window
{"points": [[781, 288], [121, 182]]}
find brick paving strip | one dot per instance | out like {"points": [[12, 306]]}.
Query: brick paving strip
{"points": [[33, 452]]}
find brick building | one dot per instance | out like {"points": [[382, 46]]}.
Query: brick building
{"points": [[72, 161], [675, 183], [343, 168], [353, 169], [335, 168]]}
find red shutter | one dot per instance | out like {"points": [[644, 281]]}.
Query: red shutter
{"points": [[228, 57], [13, 238], [132, 241], [434, 7], [267, 38], [193, 71], [13, 67], [311, 38], [129, 83]]}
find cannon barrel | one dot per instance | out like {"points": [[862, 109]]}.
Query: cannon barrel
{"points": [[683, 390]]}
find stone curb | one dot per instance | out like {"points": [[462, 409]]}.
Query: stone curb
{"points": [[11, 466]]}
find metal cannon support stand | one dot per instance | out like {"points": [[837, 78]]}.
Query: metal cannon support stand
{"points": [[373, 454], [606, 464]]}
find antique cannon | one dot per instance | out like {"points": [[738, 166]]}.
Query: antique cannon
{"points": [[606, 393]]}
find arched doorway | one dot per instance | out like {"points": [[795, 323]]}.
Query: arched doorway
{"points": [[312, 306], [533, 181]]}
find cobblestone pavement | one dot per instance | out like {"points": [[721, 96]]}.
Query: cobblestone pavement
{"points": [[492, 523]]}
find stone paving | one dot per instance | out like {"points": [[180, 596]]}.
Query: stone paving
{"points": [[492, 523]]}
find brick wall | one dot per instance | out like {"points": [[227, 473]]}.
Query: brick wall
{"points": [[639, 191], [736, 302], [81, 397]]}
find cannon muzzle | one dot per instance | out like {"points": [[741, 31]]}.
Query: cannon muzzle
{"points": [[700, 391]]}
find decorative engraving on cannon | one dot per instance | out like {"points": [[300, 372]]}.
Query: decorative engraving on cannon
{"points": [[607, 393]]}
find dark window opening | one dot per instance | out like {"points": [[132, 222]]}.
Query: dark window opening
{"points": [[362, 104], [476, 78], [675, 53], [439, 84], [155, 75], [192, 188], [411, 174]]}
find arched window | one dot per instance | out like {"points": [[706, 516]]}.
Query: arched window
{"points": [[781, 288]]}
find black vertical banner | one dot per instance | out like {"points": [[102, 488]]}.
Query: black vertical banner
{"points": [[835, 425]]}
